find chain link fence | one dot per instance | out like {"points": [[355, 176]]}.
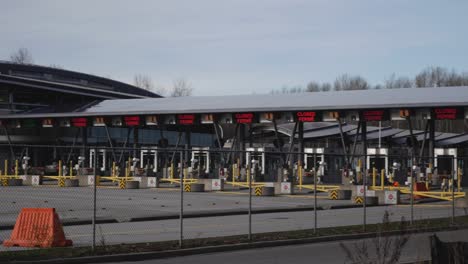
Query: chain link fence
{"points": [[107, 196]]}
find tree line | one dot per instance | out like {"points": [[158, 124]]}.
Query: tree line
{"points": [[433, 76]]}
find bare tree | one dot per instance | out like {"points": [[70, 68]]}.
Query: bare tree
{"points": [[181, 88], [313, 87], [387, 249], [145, 82], [326, 87], [22, 56], [346, 82], [398, 82], [431, 77]]}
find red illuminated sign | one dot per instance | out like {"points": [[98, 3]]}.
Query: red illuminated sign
{"points": [[244, 118], [446, 113], [79, 122], [306, 116], [373, 115], [132, 120], [187, 119]]}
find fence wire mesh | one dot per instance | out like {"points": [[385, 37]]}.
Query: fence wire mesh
{"points": [[106, 196]]}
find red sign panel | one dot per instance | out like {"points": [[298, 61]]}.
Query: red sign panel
{"points": [[79, 122], [244, 118], [132, 120], [374, 115], [306, 116], [446, 113], [186, 119]]}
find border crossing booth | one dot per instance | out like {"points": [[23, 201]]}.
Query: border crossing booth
{"points": [[201, 162], [377, 158], [258, 155], [101, 160], [309, 164], [445, 164], [149, 161]]}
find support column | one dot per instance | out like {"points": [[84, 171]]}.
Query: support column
{"points": [[300, 158], [431, 140], [242, 143], [84, 142], [364, 165], [188, 144], [300, 132], [135, 142]]}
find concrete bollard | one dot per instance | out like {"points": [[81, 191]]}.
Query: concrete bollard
{"points": [[197, 187], [15, 182], [72, 183]]}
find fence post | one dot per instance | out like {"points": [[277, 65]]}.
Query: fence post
{"points": [[94, 199], [249, 175], [315, 192], [181, 213]]}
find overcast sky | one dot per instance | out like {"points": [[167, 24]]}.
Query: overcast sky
{"points": [[239, 46]]}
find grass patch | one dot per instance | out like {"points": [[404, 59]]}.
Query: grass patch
{"points": [[52, 253]]}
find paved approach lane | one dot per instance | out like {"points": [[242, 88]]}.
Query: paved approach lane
{"points": [[417, 249], [132, 232]]}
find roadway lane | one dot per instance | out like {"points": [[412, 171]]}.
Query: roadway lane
{"points": [[132, 232], [417, 249]]}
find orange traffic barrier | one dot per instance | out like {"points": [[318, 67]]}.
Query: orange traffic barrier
{"points": [[37, 227]]}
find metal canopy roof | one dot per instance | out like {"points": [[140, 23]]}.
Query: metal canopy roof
{"points": [[341, 100], [452, 140], [66, 87]]}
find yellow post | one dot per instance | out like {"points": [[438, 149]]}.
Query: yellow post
{"points": [[374, 176], [71, 168], [6, 167], [60, 168], [16, 168], [248, 173], [238, 168], [113, 169], [233, 174], [299, 173], [126, 169], [382, 178], [172, 171]]}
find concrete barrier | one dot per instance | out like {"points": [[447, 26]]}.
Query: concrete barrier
{"points": [[87, 180], [389, 197], [15, 182], [370, 200], [72, 183], [339, 194], [147, 182], [268, 191], [283, 188], [462, 202], [212, 184], [197, 187], [132, 185], [33, 180]]}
